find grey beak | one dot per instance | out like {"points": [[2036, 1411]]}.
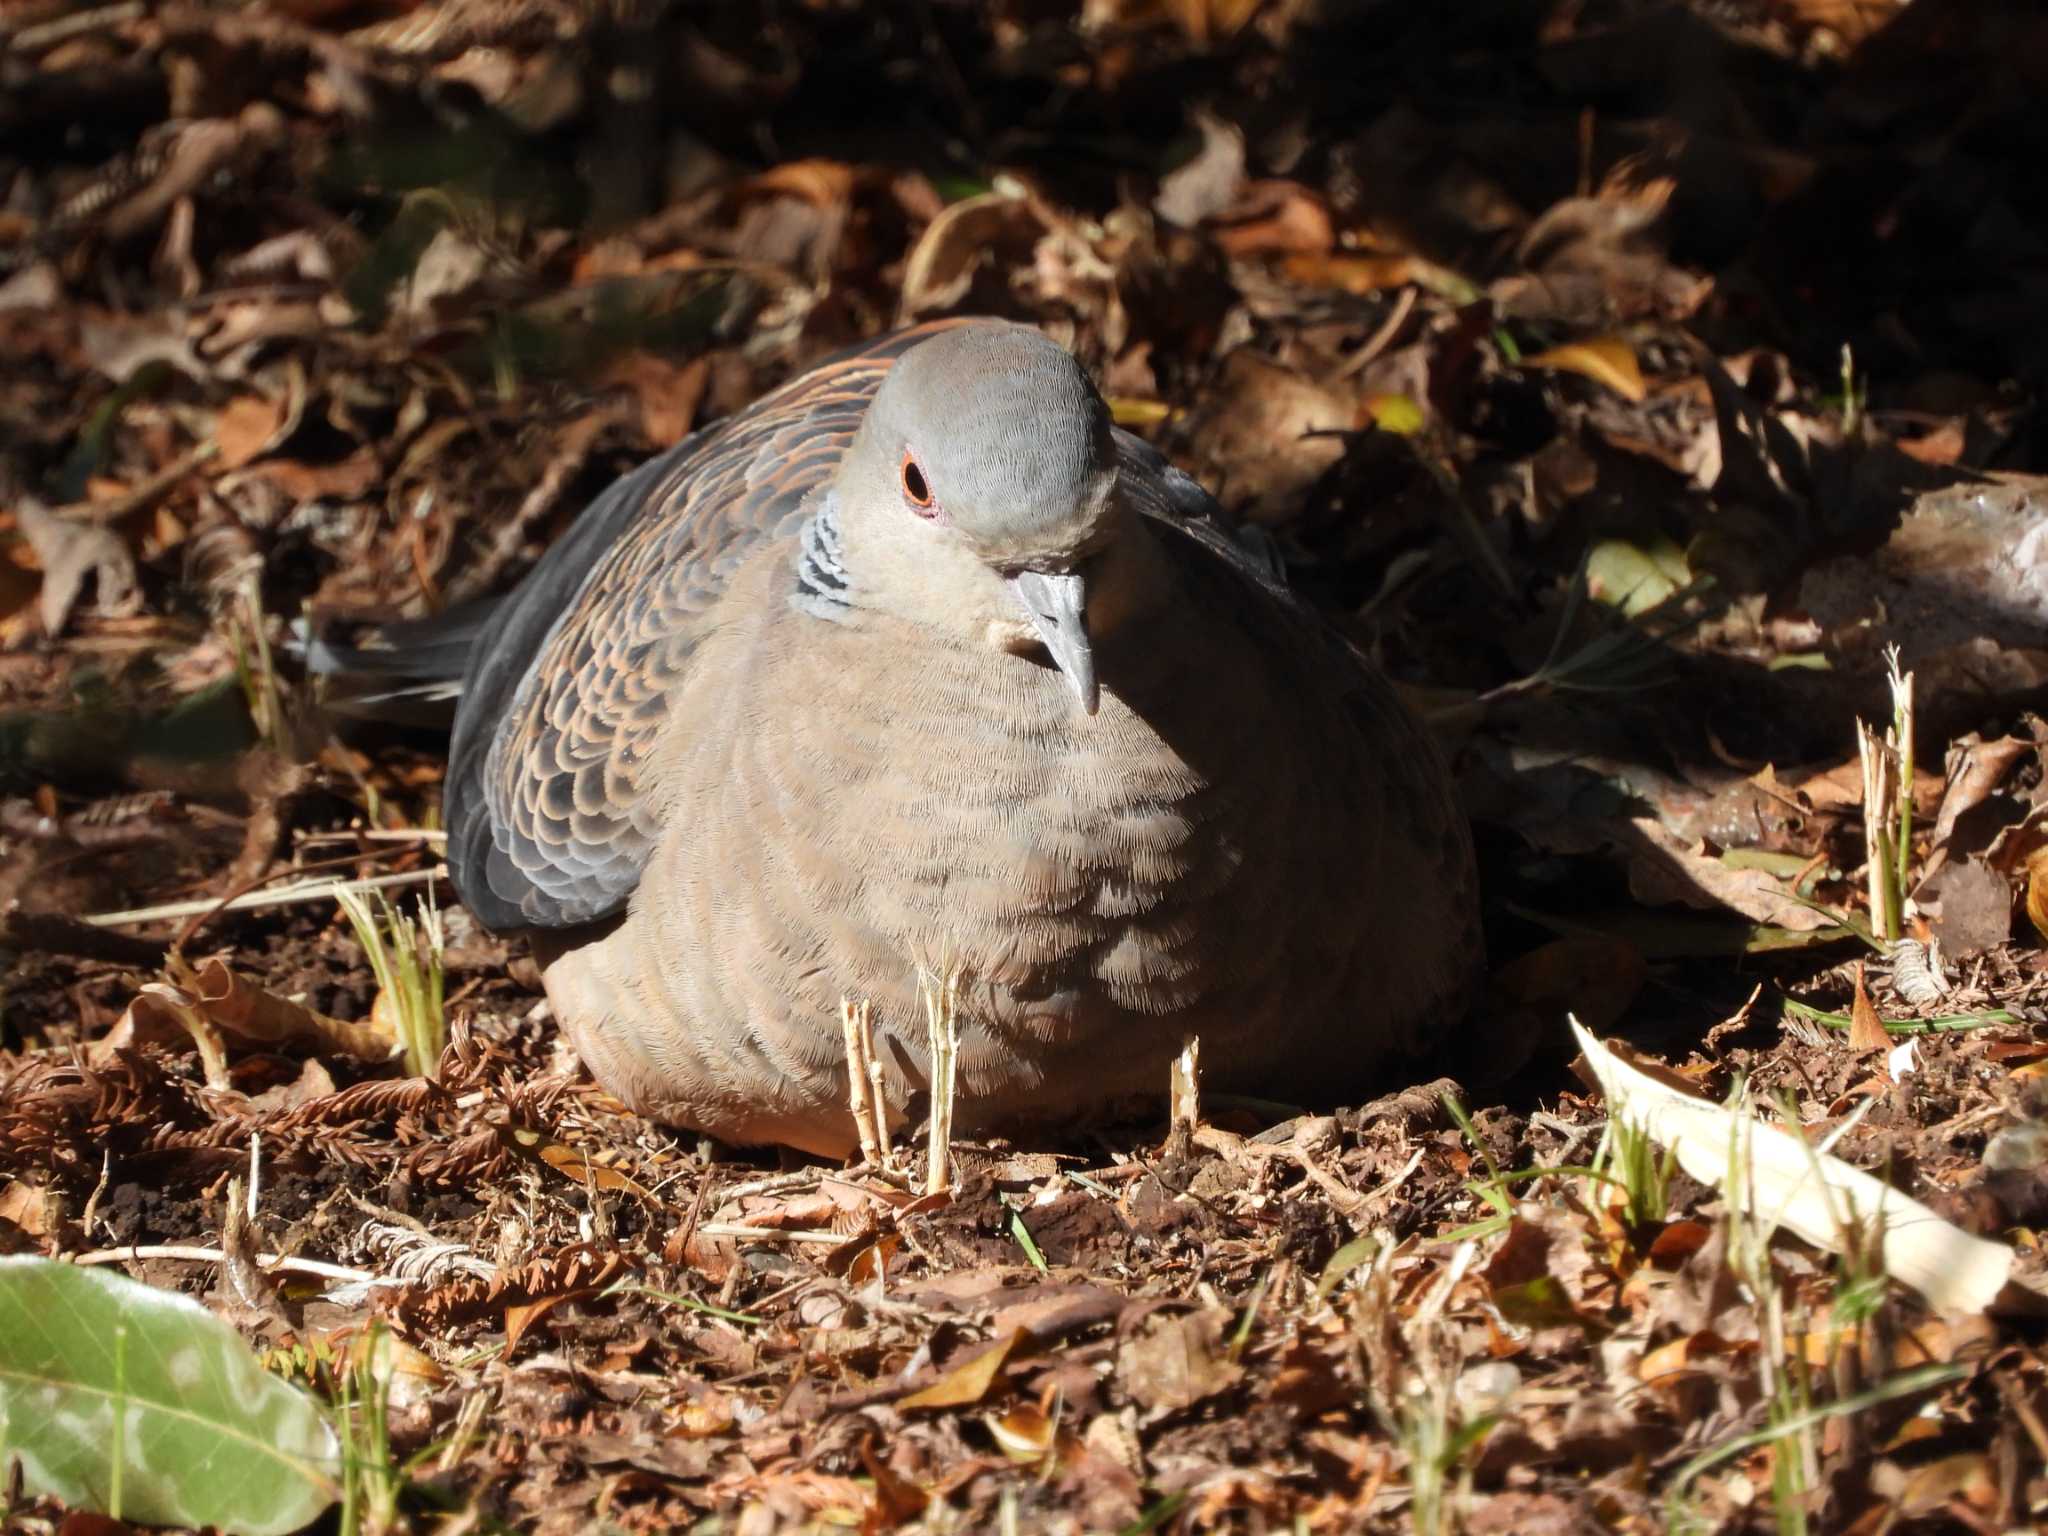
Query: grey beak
{"points": [[1058, 607]]}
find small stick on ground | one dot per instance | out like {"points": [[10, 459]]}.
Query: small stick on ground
{"points": [[1184, 1086], [773, 1184], [288, 1263], [941, 1006], [292, 895], [877, 1100], [864, 1081]]}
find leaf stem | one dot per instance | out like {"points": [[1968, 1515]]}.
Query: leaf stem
{"points": [[119, 1446]]}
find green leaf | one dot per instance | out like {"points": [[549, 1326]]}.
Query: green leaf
{"points": [[1635, 579], [1395, 413], [1542, 1303], [1360, 1250], [139, 1403], [1023, 1235]]}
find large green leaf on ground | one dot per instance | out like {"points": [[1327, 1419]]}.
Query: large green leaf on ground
{"points": [[122, 1398]]}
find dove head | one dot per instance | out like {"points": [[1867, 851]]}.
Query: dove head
{"points": [[979, 495]]}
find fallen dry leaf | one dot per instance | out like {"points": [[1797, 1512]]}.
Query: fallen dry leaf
{"points": [[26, 1206], [710, 1414], [253, 1012], [667, 394], [1024, 1433], [1607, 360], [1595, 976], [964, 239], [1274, 218], [968, 1383], [1977, 769], [1944, 445], [1600, 257], [898, 1499], [245, 428], [1138, 414], [1400, 414], [521, 1316], [1866, 1030], [453, 263], [344, 478], [1937, 1487], [2037, 892], [1664, 867], [163, 1014], [1635, 579], [68, 552], [1174, 1359], [1270, 433], [1359, 274], [824, 183], [1209, 181], [578, 1166], [1969, 905], [1200, 21]]}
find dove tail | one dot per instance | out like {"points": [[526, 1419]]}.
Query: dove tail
{"points": [[401, 666]]}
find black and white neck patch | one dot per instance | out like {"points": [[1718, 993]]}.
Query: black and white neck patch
{"points": [[821, 581]]}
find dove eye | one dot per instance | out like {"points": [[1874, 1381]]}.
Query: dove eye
{"points": [[916, 489]]}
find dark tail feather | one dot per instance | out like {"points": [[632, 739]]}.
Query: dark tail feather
{"points": [[407, 671]]}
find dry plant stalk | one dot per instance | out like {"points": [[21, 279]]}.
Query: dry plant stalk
{"points": [[1902, 717], [257, 668], [864, 1081], [1888, 806], [322, 889], [1184, 1085], [161, 1012], [941, 1017], [1880, 789]]}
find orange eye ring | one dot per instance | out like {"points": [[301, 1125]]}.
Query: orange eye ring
{"points": [[916, 489]]}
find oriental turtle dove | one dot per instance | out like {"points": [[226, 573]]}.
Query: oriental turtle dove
{"points": [[918, 667]]}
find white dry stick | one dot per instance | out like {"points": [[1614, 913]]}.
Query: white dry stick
{"points": [[1902, 724], [351, 835], [856, 1074], [1184, 1084], [283, 896], [288, 1263], [877, 1101], [864, 1080], [941, 1005], [771, 1234]]}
